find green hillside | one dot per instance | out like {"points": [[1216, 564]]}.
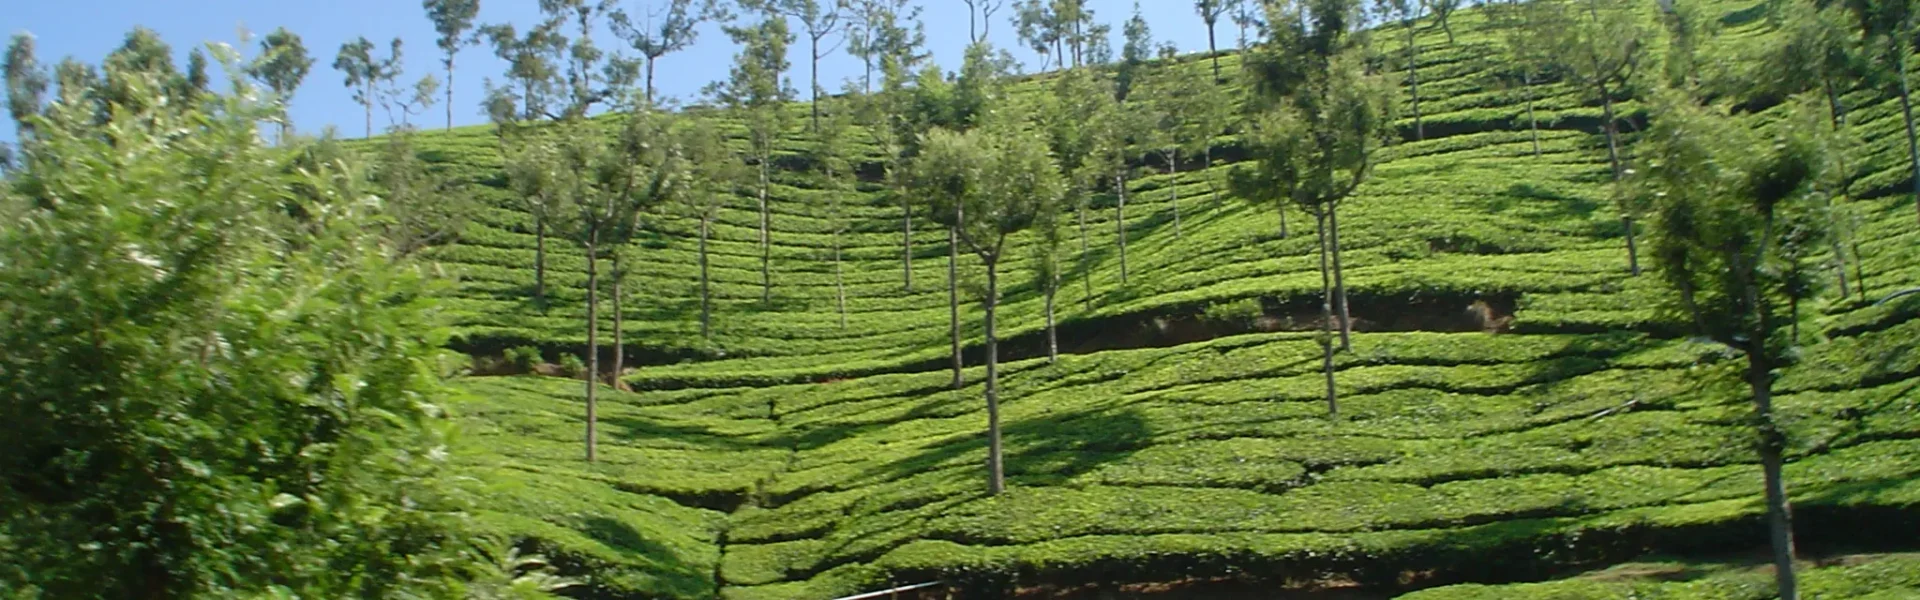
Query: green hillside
{"points": [[792, 457]]}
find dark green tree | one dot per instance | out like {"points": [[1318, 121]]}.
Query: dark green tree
{"points": [[26, 83], [192, 411], [282, 65], [1732, 203]]}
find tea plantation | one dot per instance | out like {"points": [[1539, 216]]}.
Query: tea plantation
{"points": [[793, 457]]}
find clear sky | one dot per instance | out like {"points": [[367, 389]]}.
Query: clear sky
{"points": [[88, 29]]}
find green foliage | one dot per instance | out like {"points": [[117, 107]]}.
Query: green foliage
{"points": [[218, 383], [525, 358], [572, 366]]}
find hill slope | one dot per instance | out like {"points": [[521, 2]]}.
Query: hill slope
{"points": [[1174, 441]]}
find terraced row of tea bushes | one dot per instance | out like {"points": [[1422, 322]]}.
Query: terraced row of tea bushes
{"points": [[1879, 577]]}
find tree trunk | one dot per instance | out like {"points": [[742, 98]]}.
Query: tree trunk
{"points": [[1613, 145], [1613, 159], [1859, 272], [1086, 279], [706, 293], [1837, 115], [906, 241], [839, 282], [540, 262], [1339, 278], [766, 250], [953, 299], [1120, 222], [1533, 124], [1283, 221], [650, 61], [1173, 187], [1839, 255], [369, 103], [1206, 157], [1413, 76], [1779, 513], [593, 348], [1212, 50], [1633, 249], [997, 475], [449, 90], [1053, 340], [813, 100], [619, 350], [1906, 114], [1326, 318]]}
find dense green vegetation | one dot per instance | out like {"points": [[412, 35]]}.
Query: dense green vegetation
{"points": [[1514, 403], [830, 459]]}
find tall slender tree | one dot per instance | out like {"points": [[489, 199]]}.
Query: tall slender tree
{"points": [[603, 186], [1114, 153], [891, 117], [1246, 15], [282, 65], [1729, 201], [26, 83], [1134, 54], [755, 89], [451, 19], [715, 173], [530, 67], [1326, 116], [1819, 55], [1442, 15], [663, 30], [644, 176], [977, 30], [1888, 29], [590, 77], [1599, 44], [1210, 12], [1526, 59], [1185, 110], [833, 157], [993, 182], [1408, 13], [1078, 98], [531, 174], [879, 29], [824, 24], [364, 72]]}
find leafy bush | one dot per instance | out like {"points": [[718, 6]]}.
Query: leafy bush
{"points": [[524, 358], [191, 410], [572, 366]]}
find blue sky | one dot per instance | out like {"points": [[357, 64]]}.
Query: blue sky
{"points": [[88, 29]]}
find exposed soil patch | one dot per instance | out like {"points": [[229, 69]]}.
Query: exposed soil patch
{"points": [[1437, 312]]}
